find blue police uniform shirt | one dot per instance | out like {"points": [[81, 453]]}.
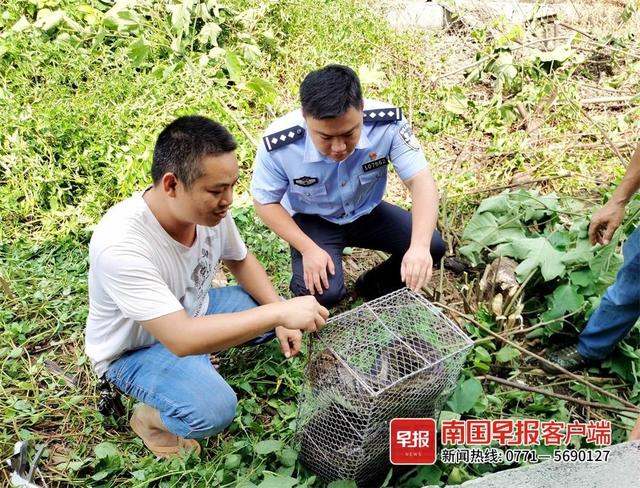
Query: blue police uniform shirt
{"points": [[289, 169]]}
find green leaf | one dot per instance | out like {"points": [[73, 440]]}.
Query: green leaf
{"points": [[537, 253], [503, 67], [288, 456], [472, 252], [100, 475], [180, 16], [121, 19], [482, 228], [106, 449], [496, 204], [465, 396], [47, 20], [560, 54], [582, 253], [263, 89], [482, 354], [209, 34], [21, 25], [232, 461], [606, 261], [342, 484], [425, 476], [246, 484], [506, 354], [564, 299], [446, 415], [138, 52], [583, 277], [456, 104], [275, 481], [268, 446], [232, 63]]}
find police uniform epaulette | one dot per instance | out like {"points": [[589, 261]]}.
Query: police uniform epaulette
{"points": [[386, 114], [282, 138]]}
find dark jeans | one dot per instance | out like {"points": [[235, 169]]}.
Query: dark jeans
{"points": [[387, 228], [619, 308]]}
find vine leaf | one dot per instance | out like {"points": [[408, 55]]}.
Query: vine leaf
{"points": [[537, 253]]}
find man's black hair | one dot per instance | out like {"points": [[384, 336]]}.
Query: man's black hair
{"points": [[330, 91], [182, 145]]}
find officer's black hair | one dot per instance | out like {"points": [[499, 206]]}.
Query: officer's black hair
{"points": [[182, 145], [330, 91]]}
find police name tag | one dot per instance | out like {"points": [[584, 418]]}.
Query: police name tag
{"points": [[378, 163], [306, 181]]}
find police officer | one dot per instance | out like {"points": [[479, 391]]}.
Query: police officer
{"points": [[319, 179]]}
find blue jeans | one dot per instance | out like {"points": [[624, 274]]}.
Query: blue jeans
{"points": [[619, 308], [194, 401]]}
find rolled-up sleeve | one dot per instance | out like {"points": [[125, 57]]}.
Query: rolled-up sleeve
{"points": [[406, 153], [269, 181]]}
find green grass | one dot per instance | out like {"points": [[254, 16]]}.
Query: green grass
{"points": [[82, 104]]}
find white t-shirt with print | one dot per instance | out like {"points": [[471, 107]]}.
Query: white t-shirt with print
{"points": [[137, 272]]}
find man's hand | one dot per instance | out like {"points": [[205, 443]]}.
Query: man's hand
{"points": [[303, 313], [315, 262], [605, 222], [416, 267], [290, 341]]}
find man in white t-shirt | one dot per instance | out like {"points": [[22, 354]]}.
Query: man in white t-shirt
{"points": [[153, 318]]}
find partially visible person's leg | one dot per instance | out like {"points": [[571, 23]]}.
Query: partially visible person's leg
{"points": [[329, 237], [619, 308], [617, 313], [634, 435], [387, 228], [192, 399]]}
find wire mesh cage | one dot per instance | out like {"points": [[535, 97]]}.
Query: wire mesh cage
{"points": [[396, 356]]}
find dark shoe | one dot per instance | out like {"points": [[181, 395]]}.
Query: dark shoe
{"points": [[568, 358], [376, 282], [455, 265], [366, 287]]}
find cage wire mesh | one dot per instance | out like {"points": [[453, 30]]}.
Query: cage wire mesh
{"points": [[396, 356]]}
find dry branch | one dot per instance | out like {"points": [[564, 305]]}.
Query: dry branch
{"points": [[533, 389], [579, 379], [592, 101]]}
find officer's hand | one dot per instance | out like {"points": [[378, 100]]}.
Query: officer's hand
{"points": [[416, 267], [315, 262], [303, 313], [605, 222], [290, 341]]}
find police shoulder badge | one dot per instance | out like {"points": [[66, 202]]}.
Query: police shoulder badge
{"points": [[408, 137], [386, 114], [282, 138], [305, 181]]}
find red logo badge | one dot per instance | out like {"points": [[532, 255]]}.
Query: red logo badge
{"points": [[412, 441]]}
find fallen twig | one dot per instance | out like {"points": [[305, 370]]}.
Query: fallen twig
{"points": [[512, 185], [58, 370], [4, 284], [626, 52], [533, 389], [579, 379], [600, 129], [570, 27], [595, 100]]}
